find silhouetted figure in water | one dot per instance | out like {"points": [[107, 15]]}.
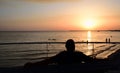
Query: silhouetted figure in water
{"points": [[106, 40], [70, 56], [109, 40]]}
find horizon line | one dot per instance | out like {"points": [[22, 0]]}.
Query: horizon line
{"points": [[50, 30]]}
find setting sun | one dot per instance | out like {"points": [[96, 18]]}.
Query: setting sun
{"points": [[89, 23]]}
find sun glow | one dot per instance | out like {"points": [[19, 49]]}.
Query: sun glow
{"points": [[89, 24]]}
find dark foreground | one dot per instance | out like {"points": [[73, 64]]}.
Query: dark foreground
{"points": [[80, 68], [110, 66]]}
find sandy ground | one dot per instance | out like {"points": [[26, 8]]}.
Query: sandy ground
{"points": [[111, 65]]}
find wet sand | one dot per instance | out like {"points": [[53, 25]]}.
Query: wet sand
{"points": [[115, 60], [110, 65]]}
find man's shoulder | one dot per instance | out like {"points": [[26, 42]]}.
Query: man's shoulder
{"points": [[62, 52], [78, 52]]}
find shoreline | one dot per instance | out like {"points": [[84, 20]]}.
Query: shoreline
{"points": [[113, 64]]}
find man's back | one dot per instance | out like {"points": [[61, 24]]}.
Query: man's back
{"points": [[71, 57]]}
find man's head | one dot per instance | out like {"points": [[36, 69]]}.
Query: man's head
{"points": [[70, 45]]}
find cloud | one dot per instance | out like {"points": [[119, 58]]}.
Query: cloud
{"points": [[50, 1]]}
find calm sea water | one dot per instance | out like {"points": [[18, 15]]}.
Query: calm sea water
{"points": [[17, 55]]}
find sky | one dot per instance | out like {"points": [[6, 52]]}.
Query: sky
{"points": [[42, 15]]}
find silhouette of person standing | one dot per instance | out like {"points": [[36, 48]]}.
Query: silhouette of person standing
{"points": [[106, 40], [109, 40], [70, 56]]}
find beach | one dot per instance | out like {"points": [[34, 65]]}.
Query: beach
{"points": [[35, 32], [18, 48], [110, 63], [115, 60], [111, 66], [26, 46]]}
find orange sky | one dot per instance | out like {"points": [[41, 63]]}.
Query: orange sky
{"points": [[29, 15]]}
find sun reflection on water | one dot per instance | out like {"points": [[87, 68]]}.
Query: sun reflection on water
{"points": [[89, 46]]}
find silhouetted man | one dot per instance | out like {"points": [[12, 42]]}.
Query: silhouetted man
{"points": [[70, 56]]}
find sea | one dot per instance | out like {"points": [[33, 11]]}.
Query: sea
{"points": [[18, 54]]}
